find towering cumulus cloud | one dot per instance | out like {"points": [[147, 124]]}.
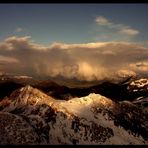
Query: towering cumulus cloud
{"points": [[88, 61]]}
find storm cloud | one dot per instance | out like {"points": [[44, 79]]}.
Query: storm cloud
{"points": [[89, 61]]}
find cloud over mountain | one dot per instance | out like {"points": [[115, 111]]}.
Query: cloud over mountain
{"points": [[87, 61]]}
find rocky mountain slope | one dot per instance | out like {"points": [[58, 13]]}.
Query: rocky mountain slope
{"points": [[29, 116]]}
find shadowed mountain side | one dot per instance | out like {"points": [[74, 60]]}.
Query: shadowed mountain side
{"points": [[115, 91], [15, 130], [6, 88]]}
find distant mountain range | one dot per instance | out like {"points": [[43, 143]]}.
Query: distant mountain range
{"points": [[116, 90]]}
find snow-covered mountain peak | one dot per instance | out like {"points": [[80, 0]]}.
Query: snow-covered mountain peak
{"points": [[28, 96], [93, 119], [83, 106]]}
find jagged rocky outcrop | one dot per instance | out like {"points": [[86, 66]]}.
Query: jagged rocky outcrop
{"points": [[93, 119], [15, 130]]}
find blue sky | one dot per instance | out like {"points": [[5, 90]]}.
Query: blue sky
{"points": [[75, 23]]}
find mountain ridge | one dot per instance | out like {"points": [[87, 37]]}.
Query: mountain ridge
{"points": [[93, 119]]}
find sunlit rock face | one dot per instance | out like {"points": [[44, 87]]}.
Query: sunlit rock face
{"points": [[139, 89], [93, 119], [139, 85]]}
